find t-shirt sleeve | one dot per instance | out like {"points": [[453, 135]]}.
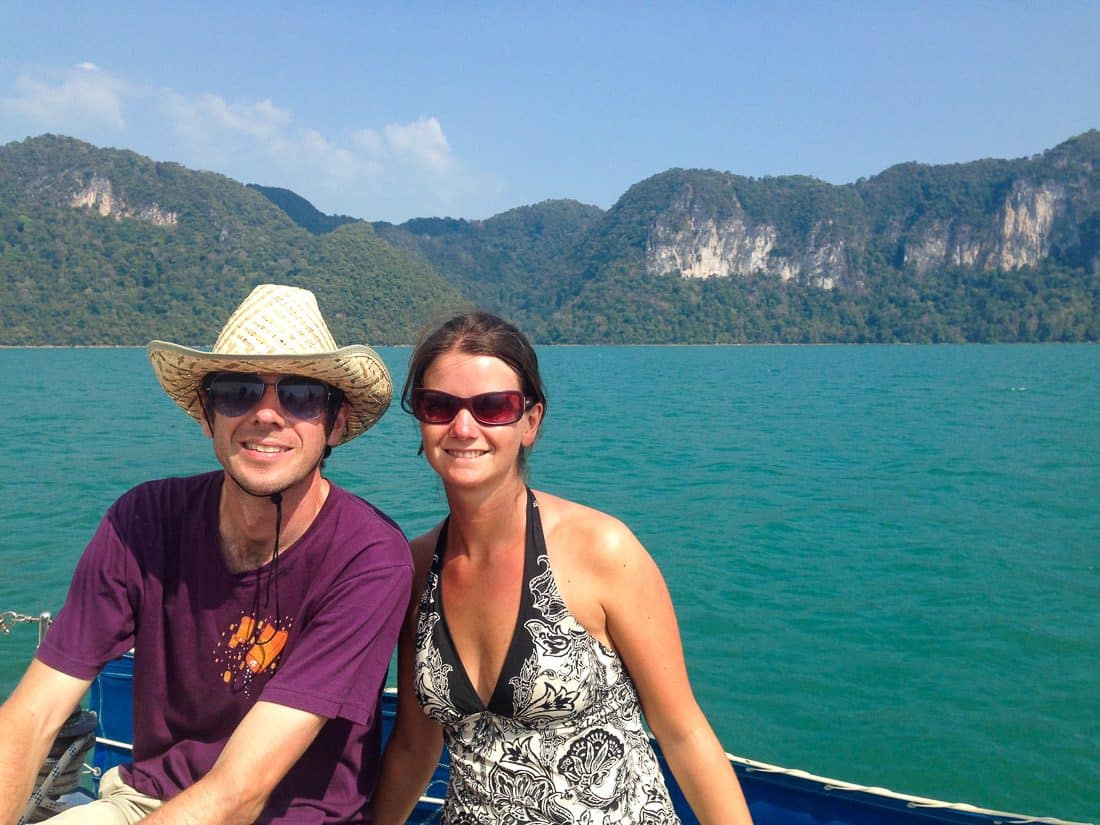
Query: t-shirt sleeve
{"points": [[338, 664], [96, 623]]}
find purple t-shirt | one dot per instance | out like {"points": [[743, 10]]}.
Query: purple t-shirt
{"points": [[315, 632]]}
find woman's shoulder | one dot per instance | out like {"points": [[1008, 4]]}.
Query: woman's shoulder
{"points": [[562, 511], [599, 536]]}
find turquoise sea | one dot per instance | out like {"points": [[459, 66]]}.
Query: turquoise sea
{"points": [[884, 558]]}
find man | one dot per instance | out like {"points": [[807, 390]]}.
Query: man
{"points": [[262, 602]]}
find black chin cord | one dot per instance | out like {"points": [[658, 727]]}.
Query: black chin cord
{"points": [[277, 500]]}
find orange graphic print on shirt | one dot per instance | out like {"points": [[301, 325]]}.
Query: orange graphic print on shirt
{"points": [[252, 648]]}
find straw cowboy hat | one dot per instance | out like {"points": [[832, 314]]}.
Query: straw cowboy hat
{"points": [[279, 329]]}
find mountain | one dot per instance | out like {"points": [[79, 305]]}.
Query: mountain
{"points": [[100, 246], [520, 263], [301, 211], [993, 250]]}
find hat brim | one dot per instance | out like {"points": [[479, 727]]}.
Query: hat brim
{"points": [[357, 371]]}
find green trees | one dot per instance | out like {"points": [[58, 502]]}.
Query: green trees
{"points": [[73, 276], [178, 249]]}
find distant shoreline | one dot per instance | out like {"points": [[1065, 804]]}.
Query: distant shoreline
{"points": [[71, 346], [699, 344]]}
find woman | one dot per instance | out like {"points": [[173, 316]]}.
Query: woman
{"points": [[538, 628]]}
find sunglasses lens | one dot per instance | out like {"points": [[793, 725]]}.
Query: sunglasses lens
{"points": [[497, 408], [234, 395], [433, 407], [493, 409], [303, 398]]}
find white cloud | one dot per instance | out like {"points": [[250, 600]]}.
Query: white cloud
{"points": [[338, 164], [392, 171], [417, 158], [263, 120], [370, 141], [76, 100], [421, 143], [205, 116]]}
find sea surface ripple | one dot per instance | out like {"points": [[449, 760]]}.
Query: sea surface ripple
{"points": [[884, 558]]}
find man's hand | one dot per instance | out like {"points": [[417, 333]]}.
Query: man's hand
{"points": [[29, 722], [265, 746]]}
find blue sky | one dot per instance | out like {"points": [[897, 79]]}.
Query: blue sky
{"points": [[396, 110]]}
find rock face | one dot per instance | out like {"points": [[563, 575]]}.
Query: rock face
{"points": [[697, 246], [995, 215], [700, 246], [1018, 234], [1026, 222], [98, 195]]}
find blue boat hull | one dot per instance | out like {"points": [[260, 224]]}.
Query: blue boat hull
{"points": [[776, 796]]}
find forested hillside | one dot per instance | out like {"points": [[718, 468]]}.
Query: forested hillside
{"points": [[99, 246], [521, 263], [993, 250], [102, 246]]}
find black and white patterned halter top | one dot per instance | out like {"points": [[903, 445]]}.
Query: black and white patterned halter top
{"points": [[561, 740]]}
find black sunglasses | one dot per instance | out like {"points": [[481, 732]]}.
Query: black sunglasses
{"points": [[493, 409], [236, 393]]}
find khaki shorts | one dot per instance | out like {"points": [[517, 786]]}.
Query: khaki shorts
{"points": [[118, 804]]}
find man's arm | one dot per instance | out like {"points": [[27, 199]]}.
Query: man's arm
{"points": [[29, 722], [264, 747]]}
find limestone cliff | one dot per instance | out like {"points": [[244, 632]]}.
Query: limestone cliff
{"points": [[1017, 234], [98, 195], [697, 245], [993, 215]]}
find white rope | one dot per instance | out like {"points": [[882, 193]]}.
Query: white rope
{"points": [[911, 801], [77, 746]]}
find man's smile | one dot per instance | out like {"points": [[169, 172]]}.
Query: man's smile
{"points": [[263, 448]]}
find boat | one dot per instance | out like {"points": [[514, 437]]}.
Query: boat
{"points": [[776, 795]]}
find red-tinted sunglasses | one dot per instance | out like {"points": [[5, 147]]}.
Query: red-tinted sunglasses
{"points": [[493, 409]]}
